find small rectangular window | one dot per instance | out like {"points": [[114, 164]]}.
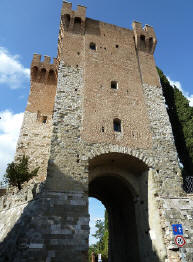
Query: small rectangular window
{"points": [[92, 46], [44, 119], [114, 85], [117, 125]]}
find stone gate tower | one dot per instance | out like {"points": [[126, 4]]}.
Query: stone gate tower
{"points": [[96, 124]]}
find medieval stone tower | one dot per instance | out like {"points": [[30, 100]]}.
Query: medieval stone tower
{"points": [[97, 125]]}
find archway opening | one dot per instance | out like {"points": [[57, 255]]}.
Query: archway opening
{"points": [[119, 202], [98, 238], [120, 182]]}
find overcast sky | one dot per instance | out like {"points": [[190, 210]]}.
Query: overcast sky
{"points": [[28, 27]]}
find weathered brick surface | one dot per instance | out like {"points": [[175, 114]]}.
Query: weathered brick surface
{"points": [[73, 151]]}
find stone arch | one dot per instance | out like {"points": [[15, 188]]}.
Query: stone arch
{"points": [[149, 161], [120, 181]]}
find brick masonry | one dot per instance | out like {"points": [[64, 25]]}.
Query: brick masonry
{"points": [[69, 103]]}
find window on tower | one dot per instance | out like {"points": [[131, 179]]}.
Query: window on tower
{"points": [[142, 42], [92, 46], [114, 84], [44, 119], [150, 44], [117, 125]]}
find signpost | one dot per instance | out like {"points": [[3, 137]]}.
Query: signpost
{"points": [[180, 241], [177, 229]]}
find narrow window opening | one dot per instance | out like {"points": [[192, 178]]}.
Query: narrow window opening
{"points": [[114, 85], [77, 20], [103, 129], [117, 46], [51, 77], [92, 46], [77, 24], [142, 42], [67, 20], [34, 73], [150, 44], [44, 119], [42, 75], [117, 125]]}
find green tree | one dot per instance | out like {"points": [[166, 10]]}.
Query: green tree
{"points": [[102, 234], [181, 118], [18, 173]]}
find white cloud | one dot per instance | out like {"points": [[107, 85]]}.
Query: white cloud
{"points": [[190, 98], [179, 86], [175, 83], [9, 131], [12, 73]]}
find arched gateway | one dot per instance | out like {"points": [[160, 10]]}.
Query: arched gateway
{"points": [[96, 124]]}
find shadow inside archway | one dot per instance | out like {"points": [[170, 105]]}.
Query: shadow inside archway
{"points": [[120, 182]]}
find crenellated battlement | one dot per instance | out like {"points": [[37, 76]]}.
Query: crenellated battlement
{"points": [[67, 9], [44, 71], [46, 63], [145, 38], [96, 125], [73, 20]]}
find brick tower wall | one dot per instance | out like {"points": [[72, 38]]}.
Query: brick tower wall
{"points": [[35, 134], [51, 222]]}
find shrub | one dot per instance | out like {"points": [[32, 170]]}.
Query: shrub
{"points": [[18, 173]]}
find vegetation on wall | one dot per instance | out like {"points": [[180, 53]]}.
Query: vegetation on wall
{"points": [[18, 173], [181, 118]]}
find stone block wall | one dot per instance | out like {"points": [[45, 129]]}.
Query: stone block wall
{"points": [[34, 141], [37, 225], [62, 134], [35, 134]]}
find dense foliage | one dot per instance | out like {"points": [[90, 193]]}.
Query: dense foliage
{"points": [[18, 173], [181, 118], [102, 234]]}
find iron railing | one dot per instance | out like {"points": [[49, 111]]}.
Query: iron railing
{"points": [[188, 184]]}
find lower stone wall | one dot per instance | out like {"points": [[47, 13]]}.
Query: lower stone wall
{"points": [[178, 211], [37, 225], [12, 205], [34, 141], [49, 227]]}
